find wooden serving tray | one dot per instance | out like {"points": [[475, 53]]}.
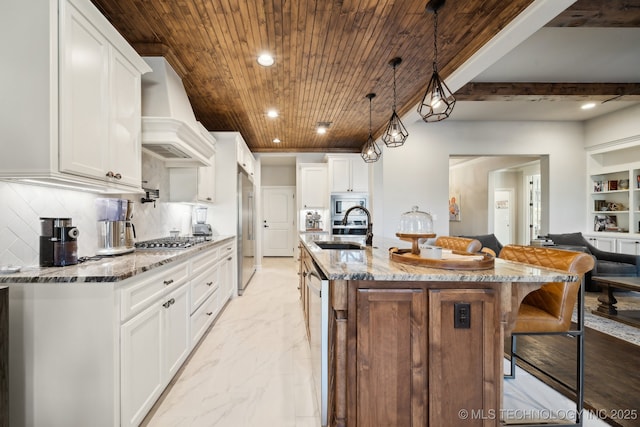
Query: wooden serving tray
{"points": [[405, 256]]}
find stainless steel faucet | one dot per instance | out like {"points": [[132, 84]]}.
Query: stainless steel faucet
{"points": [[369, 241]]}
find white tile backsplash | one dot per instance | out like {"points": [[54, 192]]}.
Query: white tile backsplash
{"points": [[24, 204]]}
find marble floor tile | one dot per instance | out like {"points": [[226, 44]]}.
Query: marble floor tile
{"points": [[254, 367]]}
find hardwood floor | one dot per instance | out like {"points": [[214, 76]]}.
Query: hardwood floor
{"points": [[612, 371]]}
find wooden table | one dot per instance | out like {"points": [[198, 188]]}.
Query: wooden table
{"points": [[607, 307]]}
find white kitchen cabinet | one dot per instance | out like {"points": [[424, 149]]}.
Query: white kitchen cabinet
{"points": [[313, 181], [101, 353], [155, 342], [193, 184], [628, 246], [100, 104], [228, 276], [348, 173], [245, 158], [83, 125], [602, 242]]}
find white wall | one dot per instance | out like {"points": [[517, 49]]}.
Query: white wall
{"points": [[23, 205], [418, 172], [614, 127]]}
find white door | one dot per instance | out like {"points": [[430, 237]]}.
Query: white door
{"points": [[278, 221], [503, 212]]}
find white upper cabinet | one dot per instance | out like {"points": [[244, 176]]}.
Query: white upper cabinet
{"points": [[87, 116], [313, 181], [348, 173], [245, 157], [194, 184]]}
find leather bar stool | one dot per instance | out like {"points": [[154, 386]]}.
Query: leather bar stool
{"points": [[462, 244], [548, 310]]}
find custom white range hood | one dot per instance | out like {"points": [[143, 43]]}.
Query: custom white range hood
{"points": [[170, 130]]}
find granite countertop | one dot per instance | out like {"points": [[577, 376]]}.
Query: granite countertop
{"points": [[374, 263], [110, 268]]}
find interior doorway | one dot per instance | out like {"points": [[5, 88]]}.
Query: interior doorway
{"points": [[503, 215], [278, 223]]}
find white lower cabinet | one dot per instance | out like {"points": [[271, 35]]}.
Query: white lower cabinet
{"points": [[629, 246], [155, 343], [603, 243], [205, 314]]}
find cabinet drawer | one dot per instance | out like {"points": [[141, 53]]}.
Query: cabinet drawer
{"points": [[226, 250], [205, 260], [142, 292], [202, 318], [203, 285]]}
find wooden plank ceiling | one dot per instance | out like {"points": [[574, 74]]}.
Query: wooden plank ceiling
{"points": [[329, 54]]}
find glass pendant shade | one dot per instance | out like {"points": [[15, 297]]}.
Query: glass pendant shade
{"points": [[396, 134], [438, 101], [370, 151]]}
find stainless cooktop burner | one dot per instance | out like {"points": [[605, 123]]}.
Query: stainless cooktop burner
{"points": [[171, 242]]}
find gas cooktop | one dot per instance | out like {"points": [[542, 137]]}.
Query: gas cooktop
{"points": [[171, 242]]}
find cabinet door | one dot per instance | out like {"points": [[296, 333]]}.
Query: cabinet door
{"points": [[391, 359], [628, 246], [359, 175], [603, 243], [207, 182], [176, 329], [340, 174], [124, 135], [84, 112], [463, 363], [314, 186], [141, 370]]}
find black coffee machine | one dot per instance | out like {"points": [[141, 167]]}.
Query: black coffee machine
{"points": [[58, 242]]}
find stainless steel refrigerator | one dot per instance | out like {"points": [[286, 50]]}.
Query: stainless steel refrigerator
{"points": [[246, 230]]}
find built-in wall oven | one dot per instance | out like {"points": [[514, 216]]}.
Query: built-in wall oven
{"points": [[318, 287], [357, 220]]}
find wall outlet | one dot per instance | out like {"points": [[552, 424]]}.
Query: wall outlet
{"points": [[462, 315]]}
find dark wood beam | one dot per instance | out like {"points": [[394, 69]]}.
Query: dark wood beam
{"points": [[549, 92], [599, 13]]}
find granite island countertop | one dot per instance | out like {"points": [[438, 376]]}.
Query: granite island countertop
{"points": [[374, 263], [109, 268]]}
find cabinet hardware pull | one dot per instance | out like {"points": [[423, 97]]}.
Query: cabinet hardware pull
{"points": [[167, 304], [117, 176], [229, 259], [109, 174], [209, 283], [304, 274], [172, 301], [168, 282], [209, 313]]}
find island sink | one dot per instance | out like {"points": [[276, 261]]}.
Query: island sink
{"points": [[339, 245]]}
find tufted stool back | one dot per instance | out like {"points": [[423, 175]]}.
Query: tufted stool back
{"points": [[549, 308], [461, 244]]}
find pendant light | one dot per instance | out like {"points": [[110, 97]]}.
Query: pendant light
{"points": [[438, 101], [370, 151], [396, 134]]}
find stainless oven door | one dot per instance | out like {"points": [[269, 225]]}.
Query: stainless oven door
{"points": [[318, 287]]}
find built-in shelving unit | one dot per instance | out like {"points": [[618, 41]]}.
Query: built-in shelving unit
{"points": [[613, 200]]}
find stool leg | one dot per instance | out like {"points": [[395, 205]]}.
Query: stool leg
{"points": [[512, 363]]}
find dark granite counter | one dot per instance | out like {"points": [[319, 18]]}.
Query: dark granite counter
{"points": [[109, 269]]}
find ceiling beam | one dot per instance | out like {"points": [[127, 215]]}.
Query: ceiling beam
{"points": [[549, 92]]}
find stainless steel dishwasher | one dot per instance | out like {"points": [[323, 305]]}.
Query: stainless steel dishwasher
{"points": [[318, 286]]}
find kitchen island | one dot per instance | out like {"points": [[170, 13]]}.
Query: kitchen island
{"points": [[97, 343], [410, 345]]}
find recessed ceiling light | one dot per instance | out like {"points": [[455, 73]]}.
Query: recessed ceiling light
{"points": [[588, 105], [266, 60], [276, 140], [272, 113], [322, 127]]}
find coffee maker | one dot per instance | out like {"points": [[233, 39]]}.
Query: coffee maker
{"points": [[58, 242], [116, 234]]}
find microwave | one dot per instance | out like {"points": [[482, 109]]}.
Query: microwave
{"points": [[340, 205]]}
